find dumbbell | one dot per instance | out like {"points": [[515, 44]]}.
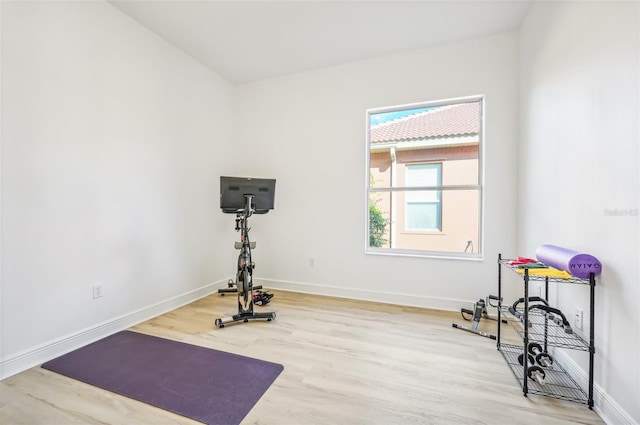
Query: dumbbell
{"points": [[517, 314], [556, 316], [531, 300], [554, 319], [535, 373], [542, 358]]}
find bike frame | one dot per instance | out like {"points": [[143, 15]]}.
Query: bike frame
{"points": [[244, 275]]}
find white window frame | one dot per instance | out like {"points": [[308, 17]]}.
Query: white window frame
{"points": [[479, 187]]}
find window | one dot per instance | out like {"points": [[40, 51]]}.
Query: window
{"points": [[424, 186], [423, 211]]}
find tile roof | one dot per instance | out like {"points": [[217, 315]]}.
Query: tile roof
{"points": [[461, 119]]}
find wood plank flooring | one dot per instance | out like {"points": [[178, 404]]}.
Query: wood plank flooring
{"points": [[345, 362]]}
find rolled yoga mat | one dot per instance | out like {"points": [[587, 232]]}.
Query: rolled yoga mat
{"points": [[574, 262]]}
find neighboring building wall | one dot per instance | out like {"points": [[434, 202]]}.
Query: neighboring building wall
{"points": [[459, 223]]}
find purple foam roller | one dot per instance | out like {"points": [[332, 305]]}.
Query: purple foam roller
{"points": [[574, 262]]}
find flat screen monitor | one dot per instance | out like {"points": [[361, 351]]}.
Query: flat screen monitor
{"points": [[234, 189]]}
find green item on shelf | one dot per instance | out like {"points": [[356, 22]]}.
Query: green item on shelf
{"points": [[533, 266]]}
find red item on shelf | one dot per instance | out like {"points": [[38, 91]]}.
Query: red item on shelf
{"points": [[521, 260]]}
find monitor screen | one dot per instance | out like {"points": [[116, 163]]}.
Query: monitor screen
{"points": [[234, 189]]}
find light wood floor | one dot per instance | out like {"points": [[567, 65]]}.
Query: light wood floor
{"points": [[345, 362]]}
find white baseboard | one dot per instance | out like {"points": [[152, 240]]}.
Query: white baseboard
{"points": [[410, 300], [37, 355], [608, 409]]}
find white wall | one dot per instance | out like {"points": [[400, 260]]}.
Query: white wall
{"points": [[111, 149], [308, 131], [579, 159]]}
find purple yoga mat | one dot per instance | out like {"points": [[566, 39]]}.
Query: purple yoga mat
{"points": [[200, 383], [574, 262]]}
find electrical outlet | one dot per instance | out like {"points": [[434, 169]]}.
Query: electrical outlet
{"points": [[577, 319], [97, 291]]}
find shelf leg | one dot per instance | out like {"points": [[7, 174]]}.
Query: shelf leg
{"points": [[525, 378], [592, 284], [546, 323], [499, 299]]}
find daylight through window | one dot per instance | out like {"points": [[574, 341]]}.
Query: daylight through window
{"points": [[424, 187]]}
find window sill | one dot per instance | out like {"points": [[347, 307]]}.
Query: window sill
{"points": [[424, 254]]}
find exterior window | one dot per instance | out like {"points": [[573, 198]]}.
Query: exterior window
{"points": [[423, 210], [424, 186]]}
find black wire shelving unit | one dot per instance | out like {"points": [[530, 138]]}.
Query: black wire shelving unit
{"points": [[534, 326]]}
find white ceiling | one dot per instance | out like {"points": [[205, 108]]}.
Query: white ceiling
{"points": [[246, 41]]}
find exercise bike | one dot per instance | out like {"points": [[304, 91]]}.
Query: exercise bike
{"points": [[253, 195], [479, 312]]}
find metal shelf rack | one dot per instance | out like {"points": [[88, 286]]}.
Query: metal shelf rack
{"points": [[533, 326]]}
